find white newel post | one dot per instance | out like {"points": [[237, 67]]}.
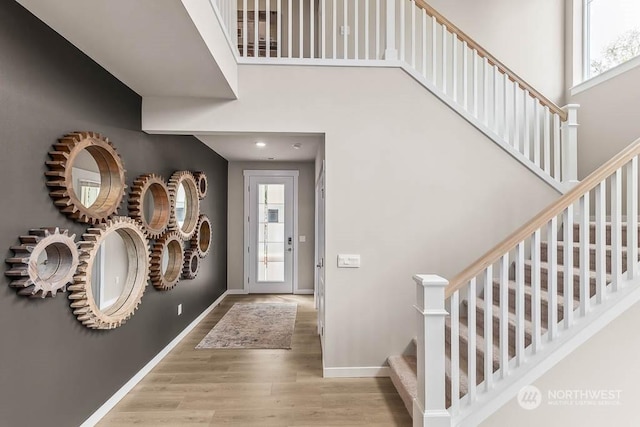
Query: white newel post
{"points": [[391, 53], [570, 146], [429, 407]]}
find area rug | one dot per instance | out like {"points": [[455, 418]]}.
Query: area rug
{"points": [[253, 325]]}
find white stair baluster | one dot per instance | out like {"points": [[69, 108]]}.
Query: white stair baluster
{"points": [[585, 269], [465, 75], [245, 32], [527, 126], [552, 278], [434, 50], [424, 43], [632, 218], [290, 28], [366, 30], [496, 97], [475, 81], [345, 24], [413, 34], [301, 30], [471, 340], [616, 225], [455, 352], [520, 304], [444, 58], [279, 28], [536, 133], [567, 285], [557, 171], [485, 71], [505, 105], [504, 316], [403, 31], [488, 328], [256, 33], [454, 67], [312, 30], [378, 30], [267, 45], [601, 241], [516, 119], [536, 318], [547, 140]]}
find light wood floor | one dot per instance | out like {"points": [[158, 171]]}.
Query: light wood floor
{"points": [[256, 387]]}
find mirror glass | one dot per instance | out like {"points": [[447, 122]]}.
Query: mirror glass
{"points": [[51, 262], [109, 272], [165, 261], [149, 204], [86, 178], [181, 205]]}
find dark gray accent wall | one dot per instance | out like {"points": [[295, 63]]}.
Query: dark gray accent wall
{"points": [[54, 371]]}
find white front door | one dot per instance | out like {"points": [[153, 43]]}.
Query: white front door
{"points": [[270, 206], [320, 254]]}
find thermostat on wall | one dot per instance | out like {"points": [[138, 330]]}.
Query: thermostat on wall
{"points": [[348, 261]]}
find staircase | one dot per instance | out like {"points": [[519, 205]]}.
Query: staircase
{"points": [[509, 317]]}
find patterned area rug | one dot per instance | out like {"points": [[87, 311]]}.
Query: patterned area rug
{"points": [[253, 325]]}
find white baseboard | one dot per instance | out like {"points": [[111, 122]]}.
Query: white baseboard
{"points": [[237, 292], [304, 292], [120, 394], [356, 372]]}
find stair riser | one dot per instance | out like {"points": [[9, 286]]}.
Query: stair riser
{"points": [[560, 283], [496, 328], [464, 350], [592, 234]]}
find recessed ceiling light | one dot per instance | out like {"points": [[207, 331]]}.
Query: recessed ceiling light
{"points": [[297, 145], [260, 144]]}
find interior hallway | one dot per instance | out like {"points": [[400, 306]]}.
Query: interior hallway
{"points": [[256, 387]]}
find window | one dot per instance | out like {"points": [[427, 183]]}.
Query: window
{"points": [[612, 34]]}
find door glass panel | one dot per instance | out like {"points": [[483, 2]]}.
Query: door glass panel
{"points": [[271, 238]]}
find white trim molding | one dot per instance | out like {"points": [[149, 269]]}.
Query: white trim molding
{"points": [[356, 372], [122, 392]]}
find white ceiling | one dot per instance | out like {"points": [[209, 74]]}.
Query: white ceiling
{"points": [[236, 147]]}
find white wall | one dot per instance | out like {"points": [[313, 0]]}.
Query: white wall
{"points": [[411, 186], [306, 212], [609, 119], [527, 36], [608, 361]]}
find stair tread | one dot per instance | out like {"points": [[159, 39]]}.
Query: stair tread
{"points": [[576, 270], [591, 245]]}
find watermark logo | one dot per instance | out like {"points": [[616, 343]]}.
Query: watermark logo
{"points": [[529, 397]]}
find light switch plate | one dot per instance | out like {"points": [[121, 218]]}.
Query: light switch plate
{"points": [[302, 239], [348, 261]]}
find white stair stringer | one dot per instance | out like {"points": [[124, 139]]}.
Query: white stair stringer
{"points": [[536, 365]]}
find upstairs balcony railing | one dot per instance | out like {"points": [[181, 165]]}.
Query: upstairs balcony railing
{"points": [[431, 48]]}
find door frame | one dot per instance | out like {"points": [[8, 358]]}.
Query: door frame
{"points": [[248, 174], [319, 258]]}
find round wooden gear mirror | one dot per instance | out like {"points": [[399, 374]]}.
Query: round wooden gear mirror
{"points": [[191, 264], [201, 240], [86, 177], [44, 262], [185, 204], [167, 261], [149, 203], [121, 244], [202, 183]]}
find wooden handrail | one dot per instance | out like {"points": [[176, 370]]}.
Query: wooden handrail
{"points": [[492, 60], [556, 208]]}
